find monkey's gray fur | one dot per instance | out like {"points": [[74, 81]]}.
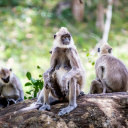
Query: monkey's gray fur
{"points": [[65, 77], [10, 88], [111, 73]]}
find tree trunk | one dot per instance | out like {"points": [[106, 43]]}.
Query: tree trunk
{"points": [[93, 111], [108, 22], [106, 28], [78, 10], [100, 16]]}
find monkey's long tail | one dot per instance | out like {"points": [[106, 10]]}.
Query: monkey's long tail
{"points": [[32, 106]]}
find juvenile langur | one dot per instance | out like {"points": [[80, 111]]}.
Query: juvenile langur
{"points": [[111, 73], [10, 88], [66, 75]]}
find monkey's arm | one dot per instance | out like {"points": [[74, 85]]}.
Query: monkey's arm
{"points": [[47, 74], [18, 86], [76, 72], [75, 64]]}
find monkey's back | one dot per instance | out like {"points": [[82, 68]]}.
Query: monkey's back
{"points": [[115, 73]]}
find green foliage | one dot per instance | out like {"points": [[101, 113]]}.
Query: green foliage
{"points": [[28, 26], [90, 58], [35, 84], [9, 2]]}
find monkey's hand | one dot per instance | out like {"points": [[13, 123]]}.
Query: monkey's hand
{"points": [[47, 83], [11, 101], [45, 106], [64, 87]]}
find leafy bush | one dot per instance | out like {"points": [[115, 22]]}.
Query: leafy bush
{"points": [[9, 2], [36, 85]]}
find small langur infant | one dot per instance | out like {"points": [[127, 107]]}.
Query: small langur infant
{"points": [[111, 73], [10, 88]]}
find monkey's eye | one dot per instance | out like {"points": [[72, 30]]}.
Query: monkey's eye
{"points": [[63, 37], [54, 36], [98, 49]]}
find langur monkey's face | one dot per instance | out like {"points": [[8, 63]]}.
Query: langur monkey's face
{"points": [[63, 38], [5, 75], [105, 49]]}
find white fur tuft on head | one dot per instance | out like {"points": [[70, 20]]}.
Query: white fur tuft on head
{"points": [[62, 31], [57, 40]]}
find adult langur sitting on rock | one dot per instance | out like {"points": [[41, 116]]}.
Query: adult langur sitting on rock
{"points": [[111, 73], [66, 75]]}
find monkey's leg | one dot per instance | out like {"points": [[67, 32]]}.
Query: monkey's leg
{"points": [[72, 98], [74, 72], [96, 87], [104, 86], [46, 105], [41, 97], [51, 89]]}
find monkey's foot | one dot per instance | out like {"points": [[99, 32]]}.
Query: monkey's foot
{"points": [[68, 109], [45, 107]]}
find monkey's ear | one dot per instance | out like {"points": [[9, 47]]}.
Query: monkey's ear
{"points": [[54, 36], [2, 69], [98, 50], [10, 69], [109, 50]]}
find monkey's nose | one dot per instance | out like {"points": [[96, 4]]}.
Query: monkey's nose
{"points": [[66, 41], [6, 80]]}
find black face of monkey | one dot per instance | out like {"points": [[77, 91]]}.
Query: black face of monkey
{"points": [[6, 80], [66, 39]]}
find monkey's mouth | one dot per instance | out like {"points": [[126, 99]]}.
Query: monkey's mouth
{"points": [[6, 80], [66, 43]]}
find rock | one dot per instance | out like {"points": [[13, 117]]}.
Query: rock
{"points": [[93, 111]]}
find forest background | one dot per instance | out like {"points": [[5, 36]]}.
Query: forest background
{"points": [[27, 28]]}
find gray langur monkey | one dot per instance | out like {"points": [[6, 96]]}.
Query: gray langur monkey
{"points": [[66, 75], [111, 73], [10, 88]]}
